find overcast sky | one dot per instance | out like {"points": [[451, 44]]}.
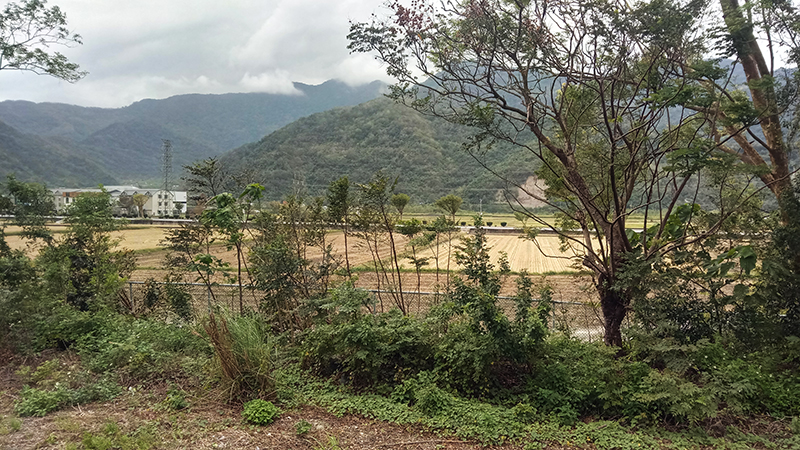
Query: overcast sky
{"points": [[135, 49]]}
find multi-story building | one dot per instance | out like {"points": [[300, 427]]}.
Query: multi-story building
{"points": [[160, 203]]}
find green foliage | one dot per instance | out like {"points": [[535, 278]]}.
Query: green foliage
{"points": [[37, 402], [246, 353], [111, 436], [27, 30], [85, 268], [278, 262], [368, 350], [32, 205], [260, 412], [56, 388], [302, 427], [176, 399], [399, 202], [140, 348], [450, 204], [172, 296]]}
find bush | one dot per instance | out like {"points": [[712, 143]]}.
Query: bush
{"points": [[368, 350], [140, 348], [260, 412], [39, 402], [502, 224], [488, 224]]}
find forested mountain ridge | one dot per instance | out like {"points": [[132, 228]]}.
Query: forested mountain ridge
{"points": [[126, 142], [424, 152], [49, 160]]}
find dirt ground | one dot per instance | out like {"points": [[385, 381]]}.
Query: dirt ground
{"points": [[205, 424]]}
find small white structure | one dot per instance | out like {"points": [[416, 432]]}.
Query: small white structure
{"points": [[160, 203]]}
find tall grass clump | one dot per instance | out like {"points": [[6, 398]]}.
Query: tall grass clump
{"points": [[245, 352]]}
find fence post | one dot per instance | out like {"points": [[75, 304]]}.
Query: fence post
{"points": [[130, 292]]}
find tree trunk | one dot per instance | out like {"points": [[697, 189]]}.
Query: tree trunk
{"points": [[614, 307]]}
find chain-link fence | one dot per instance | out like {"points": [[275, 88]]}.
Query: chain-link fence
{"points": [[582, 320]]}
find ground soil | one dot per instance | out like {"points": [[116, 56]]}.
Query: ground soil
{"points": [[205, 424]]}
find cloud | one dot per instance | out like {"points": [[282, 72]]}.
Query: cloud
{"points": [[136, 49], [275, 82]]}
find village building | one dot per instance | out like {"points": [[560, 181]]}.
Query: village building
{"points": [[160, 203]]}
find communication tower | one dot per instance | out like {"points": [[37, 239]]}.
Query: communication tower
{"points": [[166, 167]]}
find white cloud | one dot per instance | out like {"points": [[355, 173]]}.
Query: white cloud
{"points": [[275, 82], [136, 49]]}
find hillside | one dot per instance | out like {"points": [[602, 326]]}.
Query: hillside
{"points": [[126, 142], [426, 153], [51, 160]]}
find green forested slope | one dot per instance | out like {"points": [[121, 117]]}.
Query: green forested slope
{"points": [[52, 161], [425, 153]]}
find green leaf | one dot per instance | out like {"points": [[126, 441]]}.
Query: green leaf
{"points": [[747, 258]]}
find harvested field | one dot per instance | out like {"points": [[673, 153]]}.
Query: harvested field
{"points": [[523, 254]]}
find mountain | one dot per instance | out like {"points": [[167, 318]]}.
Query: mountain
{"points": [[126, 142], [425, 153], [53, 161]]}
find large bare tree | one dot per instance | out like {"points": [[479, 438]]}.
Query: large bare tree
{"points": [[614, 99]]}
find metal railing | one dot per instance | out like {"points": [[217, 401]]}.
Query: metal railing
{"points": [[582, 320]]}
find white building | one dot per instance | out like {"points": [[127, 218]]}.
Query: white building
{"points": [[160, 203]]}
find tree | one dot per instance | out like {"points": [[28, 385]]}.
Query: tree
{"points": [[339, 201], [206, 179], [603, 94], [375, 223], [450, 204], [84, 267], [32, 207], [140, 200], [125, 202], [27, 30], [738, 117], [399, 202], [230, 217]]}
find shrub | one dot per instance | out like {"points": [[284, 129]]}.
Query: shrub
{"points": [[140, 348], [463, 224], [260, 412], [488, 224], [502, 224], [38, 402], [369, 349]]}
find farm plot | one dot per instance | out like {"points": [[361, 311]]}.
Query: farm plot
{"points": [[522, 254]]}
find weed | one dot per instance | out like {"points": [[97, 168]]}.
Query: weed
{"points": [[10, 425], [38, 402], [302, 427], [260, 412], [176, 399], [331, 444], [245, 353]]}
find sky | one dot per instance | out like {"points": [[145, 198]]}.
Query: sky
{"points": [[136, 49]]}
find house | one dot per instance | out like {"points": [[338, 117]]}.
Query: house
{"points": [[160, 203]]}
